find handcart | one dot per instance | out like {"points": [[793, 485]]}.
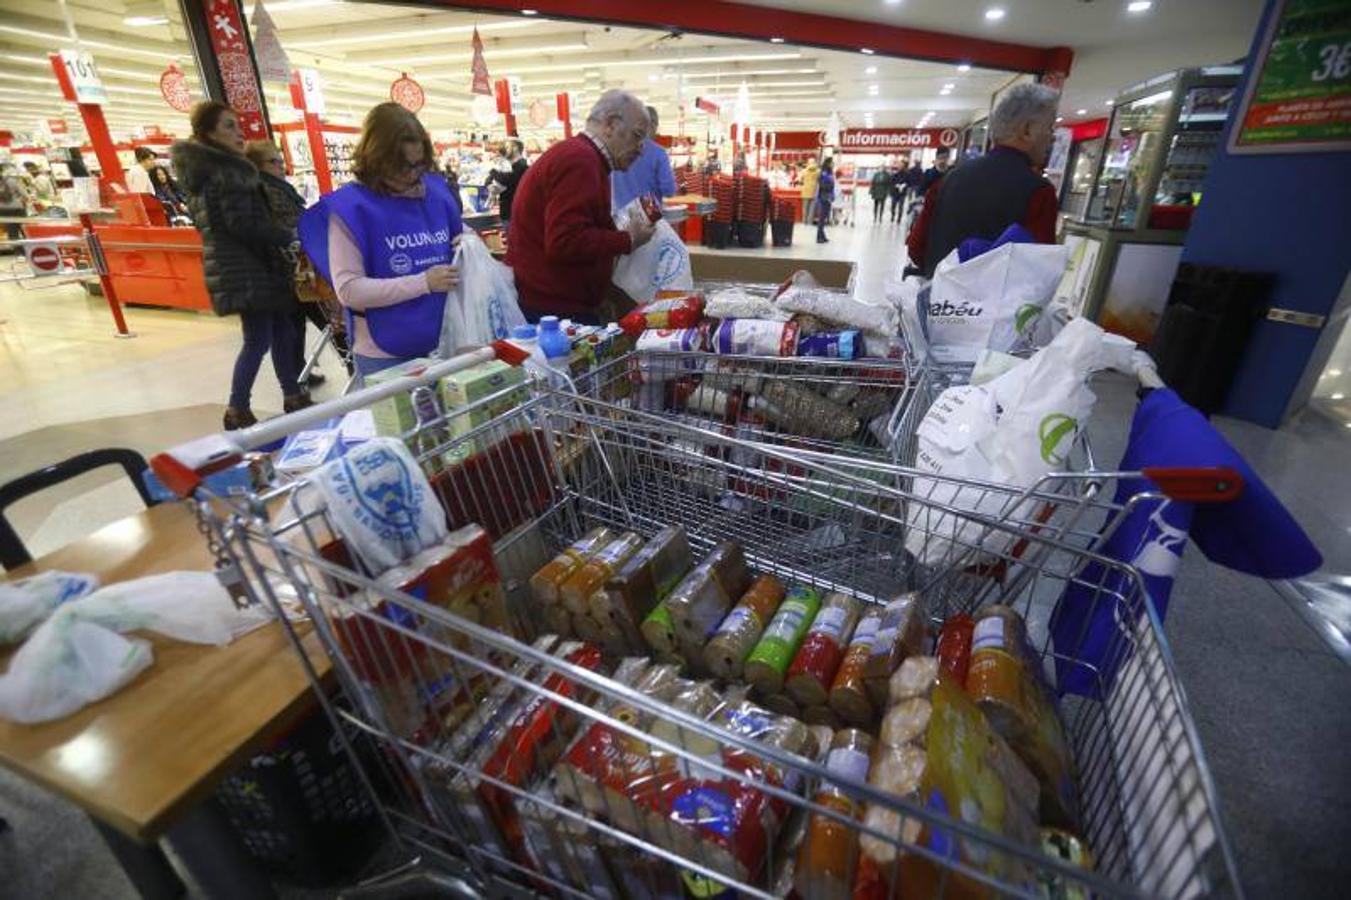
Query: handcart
{"points": [[486, 736]]}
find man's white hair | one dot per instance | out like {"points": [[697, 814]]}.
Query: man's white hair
{"points": [[615, 102], [1022, 104]]}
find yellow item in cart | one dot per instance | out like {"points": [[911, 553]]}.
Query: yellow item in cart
{"points": [[575, 593], [545, 583]]}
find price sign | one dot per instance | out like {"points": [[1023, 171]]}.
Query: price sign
{"points": [[84, 77], [313, 91], [1298, 96]]}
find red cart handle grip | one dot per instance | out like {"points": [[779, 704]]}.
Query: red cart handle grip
{"points": [[1199, 484]]}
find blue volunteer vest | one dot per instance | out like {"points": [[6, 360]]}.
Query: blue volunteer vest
{"points": [[397, 236]]}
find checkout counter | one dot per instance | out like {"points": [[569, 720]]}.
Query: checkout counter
{"points": [[1125, 250]]}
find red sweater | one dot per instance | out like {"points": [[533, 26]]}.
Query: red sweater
{"points": [[563, 242]]}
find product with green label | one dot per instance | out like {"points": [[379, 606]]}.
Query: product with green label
{"points": [[767, 663]]}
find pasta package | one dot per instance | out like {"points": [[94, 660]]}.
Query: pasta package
{"points": [[659, 631], [648, 576], [741, 628], [899, 634], [848, 692], [813, 668], [1002, 682], [575, 593], [545, 583], [701, 599], [769, 660]]}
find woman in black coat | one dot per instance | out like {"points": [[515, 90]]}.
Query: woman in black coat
{"points": [[245, 255]]}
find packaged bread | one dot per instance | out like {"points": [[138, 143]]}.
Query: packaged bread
{"points": [[1003, 682], [900, 634], [741, 628], [701, 599], [768, 662], [648, 576], [813, 668], [659, 631], [848, 691], [545, 583], [829, 852], [575, 592]]}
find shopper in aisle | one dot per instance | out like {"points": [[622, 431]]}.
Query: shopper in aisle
{"points": [[987, 194], [650, 173], [287, 205], [825, 196], [879, 189], [510, 178], [563, 241], [936, 171], [44, 189], [385, 241], [138, 176], [246, 256], [169, 194], [811, 177], [899, 182]]}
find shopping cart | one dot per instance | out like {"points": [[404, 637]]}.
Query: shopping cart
{"points": [[480, 727]]}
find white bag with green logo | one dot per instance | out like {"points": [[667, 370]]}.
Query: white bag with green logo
{"points": [[993, 301], [1012, 430]]}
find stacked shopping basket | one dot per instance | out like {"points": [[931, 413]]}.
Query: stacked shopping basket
{"points": [[552, 719]]}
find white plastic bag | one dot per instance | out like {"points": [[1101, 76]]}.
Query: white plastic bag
{"points": [[736, 303], [483, 307], [840, 309], [662, 264], [24, 604], [993, 301], [1012, 430], [78, 656]]}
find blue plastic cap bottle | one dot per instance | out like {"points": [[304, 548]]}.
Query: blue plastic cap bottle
{"points": [[553, 342]]}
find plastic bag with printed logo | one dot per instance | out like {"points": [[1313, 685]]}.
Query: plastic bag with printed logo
{"points": [[1012, 430], [994, 300], [662, 264], [483, 307]]}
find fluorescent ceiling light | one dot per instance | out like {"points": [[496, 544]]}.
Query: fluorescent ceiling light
{"points": [[673, 61], [871, 70], [145, 21], [964, 67], [295, 5], [409, 61], [994, 14], [741, 73], [1139, 6], [529, 12], [867, 50], [1081, 112], [776, 40]]}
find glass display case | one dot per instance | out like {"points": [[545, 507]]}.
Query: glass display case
{"points": [[1162, 137]]}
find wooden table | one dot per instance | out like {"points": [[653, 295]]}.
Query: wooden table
{"points": [[142, 760]]}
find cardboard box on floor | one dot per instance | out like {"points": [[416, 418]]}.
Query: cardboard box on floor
{"points": [[710, 265]]}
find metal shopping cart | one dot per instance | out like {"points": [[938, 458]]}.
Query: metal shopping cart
{"points": [[485, 734]]}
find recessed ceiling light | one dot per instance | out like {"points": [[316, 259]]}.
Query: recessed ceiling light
{"points": [[949, 86], [994, 14], [1060, 118], [1081, 112], [964, 67], [776, 40], [867, 51], [1139, 6], [871, 70], [893, 2], [1107, 103]]}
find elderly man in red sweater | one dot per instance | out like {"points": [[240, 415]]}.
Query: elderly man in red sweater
{"points": [[563, 242]]}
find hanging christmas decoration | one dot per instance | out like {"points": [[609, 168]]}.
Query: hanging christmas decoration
{"points": [[408, 93]]}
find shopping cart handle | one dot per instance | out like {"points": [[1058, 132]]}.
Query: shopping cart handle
{"points": [[1201, 484]]}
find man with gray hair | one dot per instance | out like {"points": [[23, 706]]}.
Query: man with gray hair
{"points": [[984, 196], [562, 242]]}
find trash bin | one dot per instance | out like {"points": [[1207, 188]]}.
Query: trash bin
{"points": [[1205, 329], [782, 232]]}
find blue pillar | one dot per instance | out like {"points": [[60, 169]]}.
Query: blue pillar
{"points": [[1287, 213]]}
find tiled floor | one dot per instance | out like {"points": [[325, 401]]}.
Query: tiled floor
{"points": [[1267, 692]]}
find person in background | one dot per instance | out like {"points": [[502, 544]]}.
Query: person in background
{"points": [[138, 176], [936, 171], [244, 255], [897, 189], [169, 194], [509, 179], [914, 178], [650, 173], [44, 188], [811, 177], [287, 205], [825, 196], [385, 242], [13, 204], [879, 188], [987, 194], [563, 241]]}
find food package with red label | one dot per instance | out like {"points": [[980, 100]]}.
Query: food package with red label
{"points": [[682, 311], [936, 750]]}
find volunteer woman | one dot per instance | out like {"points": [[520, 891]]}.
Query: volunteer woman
{"points": [[384, 242], [244, 254]]}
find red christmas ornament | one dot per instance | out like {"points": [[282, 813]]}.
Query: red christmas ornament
{"points": [[173, 85], [407, 93]]}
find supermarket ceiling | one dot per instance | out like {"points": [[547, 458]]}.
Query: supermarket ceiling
{"points": [[360, 48]]}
